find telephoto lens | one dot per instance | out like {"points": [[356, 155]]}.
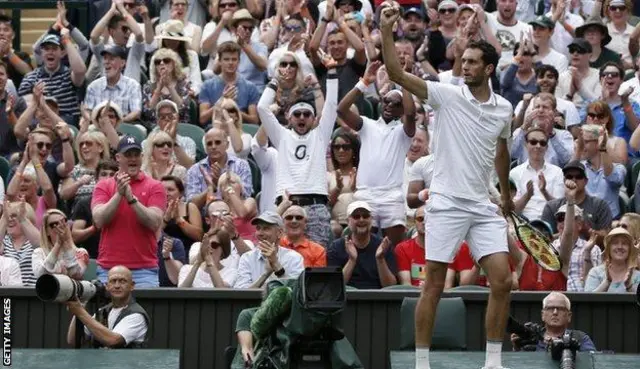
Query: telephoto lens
{"points": [[61, 288]]}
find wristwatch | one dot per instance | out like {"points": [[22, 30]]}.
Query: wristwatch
{"points": [[279, 273], [132, 201]]}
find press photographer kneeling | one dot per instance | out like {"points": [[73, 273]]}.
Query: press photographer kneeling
{"points": [[556, 316], [121, 324]]}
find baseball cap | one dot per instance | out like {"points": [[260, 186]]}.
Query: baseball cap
{"points": [[269, 217], [416, 11], [447, 4], [127, 143], [543, 21], [575, 165], [563, 210], [50, 39], [166, 102], [358, 205], [582, 44], [541, 225], [115, 50]]}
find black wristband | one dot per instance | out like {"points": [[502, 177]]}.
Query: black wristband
{"points": [[325, 20], [279, 273], [66, 140]]}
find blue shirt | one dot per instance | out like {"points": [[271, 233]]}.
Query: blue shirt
{"points": [[586, 344], [177, 253], [247, 94], [606, 187], [248, 70]]}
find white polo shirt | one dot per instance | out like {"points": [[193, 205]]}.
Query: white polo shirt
{"points": [[466, 132], [524, 173], [383, 149], [422, 170], [302, 163], [267, 159], [558, 60]]}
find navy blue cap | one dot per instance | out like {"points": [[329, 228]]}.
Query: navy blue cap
{"points": [[416, 11], [127, 143]]}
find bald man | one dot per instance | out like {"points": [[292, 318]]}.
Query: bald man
{"points": [[202, 178], [123, 323]]}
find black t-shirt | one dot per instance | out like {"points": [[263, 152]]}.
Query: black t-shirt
{"points": [[8, 141], [597, 212], [348, 74], [177, 252], [365, 274], [82, 211]]}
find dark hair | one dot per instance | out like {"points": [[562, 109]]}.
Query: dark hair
{"points": [[178, 182], [228, 47], [352, 140], [334, 31], [543, 69], [113, 22], [181, 51], [618, 66], [106, 165], [489, 54], [6, 19]]}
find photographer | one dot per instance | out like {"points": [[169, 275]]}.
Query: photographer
{"points": [[556, 316], [121, 324]]}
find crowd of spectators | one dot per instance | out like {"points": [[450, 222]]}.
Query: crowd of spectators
{"points": [[224, 143]]}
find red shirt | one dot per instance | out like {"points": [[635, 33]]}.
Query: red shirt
{"points": [[464, 261], [534, 278], [411, 257], [125, 241]]}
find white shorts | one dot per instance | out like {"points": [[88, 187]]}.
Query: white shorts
{"points": [[388, 206], [450, 220]]}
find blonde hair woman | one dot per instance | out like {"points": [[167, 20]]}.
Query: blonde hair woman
{"points": [[20, 237], [229, 118], [91, 147], [172, 37], [631, 222], [243, 209], [157, 160], [57, 253], [618, 273], [293, 87], [167, 81]]}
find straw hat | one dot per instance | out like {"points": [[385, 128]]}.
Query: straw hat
{"points": [[173, 29], [633, 252], [112, 105], [242, 15]]}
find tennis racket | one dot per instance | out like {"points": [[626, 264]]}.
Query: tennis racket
{"points": [[536, 244]]}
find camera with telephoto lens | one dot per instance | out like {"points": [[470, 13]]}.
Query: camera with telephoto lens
{"points": [[61, 288], [529, 334], [564, 350]]}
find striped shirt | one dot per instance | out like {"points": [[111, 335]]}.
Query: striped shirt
{"points": [[126, 93], [575, 281], [195, 183], [58, 85], [23, 256]]}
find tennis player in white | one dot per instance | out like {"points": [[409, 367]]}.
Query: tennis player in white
{"points": [[470, 136]]}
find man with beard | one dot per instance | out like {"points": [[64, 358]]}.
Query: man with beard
{"points": [[471, 131], [413, 26], [338, 41], [384, 146], [139, 202], [367, 261], [507, 28], [302, 165]]}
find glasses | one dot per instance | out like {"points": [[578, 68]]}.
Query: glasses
{"points": [[56, 223], [164, 60], [160, 145], [571, 177], [361, 216], [420, 219], [305, 114], [617, 8], [210, 143], [610, 75], [447, 10], [291, 64], [575, 49], [292, 217], [46, 145], [227, 5], [292, 28], [86, 143], [534, 142], [343, 147], [596, 115]]}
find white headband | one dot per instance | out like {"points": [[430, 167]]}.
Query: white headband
{"points": [[301, 106], [388, 94]]}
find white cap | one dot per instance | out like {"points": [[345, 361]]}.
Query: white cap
{"points": [[169, 103], [448, 4], [577, 211], [358, 205]]}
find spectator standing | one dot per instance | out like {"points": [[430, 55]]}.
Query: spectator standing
{"points": [[507, 29], [345, 158], [543, 28], [139, 202], [267, 159]]}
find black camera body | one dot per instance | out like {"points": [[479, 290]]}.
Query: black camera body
{"points": [[529, 334], [564, 350]]}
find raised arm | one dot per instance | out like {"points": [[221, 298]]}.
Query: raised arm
{"points": [[567, 239], [353, 120], [269, 121], [101, 26], [396, 73]]}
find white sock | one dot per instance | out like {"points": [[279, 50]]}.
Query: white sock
{"points": [[494, 354], [422, 358]]}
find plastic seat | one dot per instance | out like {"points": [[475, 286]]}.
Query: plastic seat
{"points": [[449, 330], [251, 129], [195, 133], [91, 272], [130, 129], [194, 112], [402, 287], [256, 177]]}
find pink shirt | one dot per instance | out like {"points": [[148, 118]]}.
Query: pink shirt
{"points": [[126, 241]]}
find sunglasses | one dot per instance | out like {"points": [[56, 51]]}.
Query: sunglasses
{"points": [[46, 145], [447, 10], [574, 177], [305, 114], [160, 145], [291, 64], [210, 143], [220, 214], [534, 142], [575, 49], [164, 60], [227, 5], [361, 216], [292, 28], [392, 103], [86, 143], [343, 147], [610, 74], [56, 223], [420, 219], [617, 8], [292, 217], [595, 115]]}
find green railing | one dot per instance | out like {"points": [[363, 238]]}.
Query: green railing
{"points": [[16, 7]]}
